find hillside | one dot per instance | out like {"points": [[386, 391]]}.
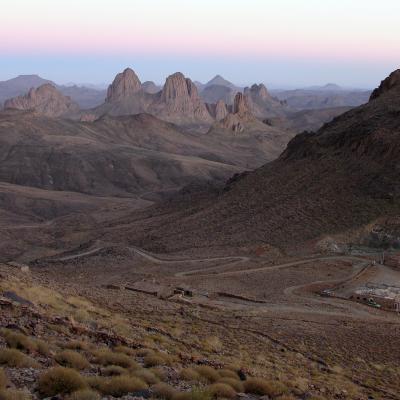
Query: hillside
{"points": [[338, 179]]}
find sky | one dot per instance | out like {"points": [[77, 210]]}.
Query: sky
{"points": [[282, 43]]}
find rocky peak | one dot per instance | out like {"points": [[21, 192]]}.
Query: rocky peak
{"points": [[125, 85], [257, 91], [180, 100], [240, 104], [392, 81], [45, 100], [220, 110], [177, 86]]}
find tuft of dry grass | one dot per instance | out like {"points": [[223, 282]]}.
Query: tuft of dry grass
{"points": [[125, 350], [153, 360], [146, 376], [189, 374], [18, 341], [264, 387], [228, 373], [207, 373], [107, 357], [119, 386], [159, 373], [234, 383], [76, 345], [72, 359], [60, 380], [13, 358], [113, 370], [163, 391], [12, 394], [3, 379], [222, 391], [84, 394]]}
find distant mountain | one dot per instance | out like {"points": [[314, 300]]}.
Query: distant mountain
{"points": [[151, 87], [318, 97], [20, 85], [218, 80], [341, 181], [45, 100], [84, 96]]}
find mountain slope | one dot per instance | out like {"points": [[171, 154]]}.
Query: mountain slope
{"points": [[341, 178]]}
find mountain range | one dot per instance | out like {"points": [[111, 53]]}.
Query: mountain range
{"points": [[341, 181]]}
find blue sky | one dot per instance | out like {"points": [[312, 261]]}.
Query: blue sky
{"points": [[278, 42]]}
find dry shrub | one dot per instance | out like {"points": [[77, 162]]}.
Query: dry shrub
{"points": [[234, 383], [287, 397], [18, 341], [84, 394], [228, 373], [163, 391], [121, 385], [264, 387], [189, 374], [3, 379], [221, 391], [12, 394], [72, 359], [113, 370], [159, 373], [60, 380], [125, 350], [42, 347], [207, 373], [200, 394], [182, 396], [107, 357], [144, 352], [13, 358], [76, 345], [153, 360], [94, 381], [212, 344], [146, 376]]}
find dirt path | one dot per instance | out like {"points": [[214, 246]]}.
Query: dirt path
{"points": [[158, 260]]}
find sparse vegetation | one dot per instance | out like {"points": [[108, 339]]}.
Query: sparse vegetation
{"points": [[107, 357], [60, 380], [228, 373], [163, 391], [76, 345], [12, 394], [153, 360], [125, 350], [72, 359], [207, 373], [146, 375], [113, 370], [84, 394], [121, 385], [13, 358], [264, 387], [3, 379], [18, 341], [221, 391], [234, 383], [189, 374]]}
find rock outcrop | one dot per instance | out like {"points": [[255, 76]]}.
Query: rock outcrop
{"points": [[241, 114], [180, 101], [150, 87], [220, 110], [261, 103], [126, 84], [45, 100], [392, 81]]}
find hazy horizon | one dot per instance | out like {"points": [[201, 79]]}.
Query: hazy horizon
{"points": [[281, 43]]}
